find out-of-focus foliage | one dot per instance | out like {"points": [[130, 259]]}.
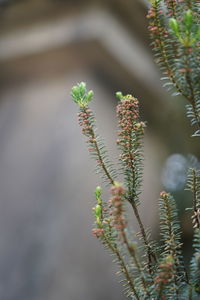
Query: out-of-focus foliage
{"points": [[175, 30]]}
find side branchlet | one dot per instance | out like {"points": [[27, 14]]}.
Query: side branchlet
{"points": [[175, 31]]}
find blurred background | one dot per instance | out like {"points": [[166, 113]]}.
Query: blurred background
{"points": [[47, 251]]}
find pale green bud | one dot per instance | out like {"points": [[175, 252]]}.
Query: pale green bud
{"points": [[188, 19], [153, 2], [174, 26], [80, 94], [98, 192], [98, 222], [119, 95], [90, 95], [98, 211]]}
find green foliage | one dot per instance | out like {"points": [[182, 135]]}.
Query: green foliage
{"points": [[175, 31], [193, 185], [171, 245], [87, 122], [195, 265], [80, 95], [150, 270], [187, 31], [130, 137]]}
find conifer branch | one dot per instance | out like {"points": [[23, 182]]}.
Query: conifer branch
{"points": [[195, 265], [175, 31], [150, 271], [119, 221], [122, 265], [165, 281], [82, 97], [193, 185], [159, 36], [130, 143], [170, 236], [106, 227], [191, 97]]}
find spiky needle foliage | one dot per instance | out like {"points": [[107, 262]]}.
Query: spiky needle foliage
{"points": [[150, 270], [175, 31]]}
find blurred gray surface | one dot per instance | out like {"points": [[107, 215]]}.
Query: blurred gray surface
{"points": [[46, 249]]}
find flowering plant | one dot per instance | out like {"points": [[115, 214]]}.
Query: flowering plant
{"points": [[150, 270]]}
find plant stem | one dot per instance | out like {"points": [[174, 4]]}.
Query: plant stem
{"points": [[194, 190], [122, 264], [101, 162], [136, 262], [150, 253]]}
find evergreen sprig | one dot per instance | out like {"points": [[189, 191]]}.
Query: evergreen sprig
{"points": [[193, 185], [175, 31], [150, 270], [195, 266], [96, 147], [171, 248], [130, 133]]}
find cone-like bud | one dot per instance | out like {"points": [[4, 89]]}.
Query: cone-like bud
{"points": [[174, 26], [80, 94]]}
